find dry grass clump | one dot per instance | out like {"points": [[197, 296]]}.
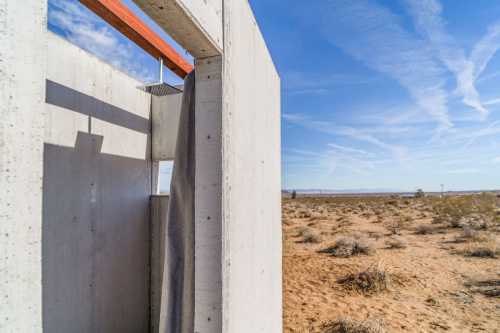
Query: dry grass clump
{"points": [[457, 211], [348, 246], [303, 213], [488, 249], [490, 288], [373, 280], [348, 325], [311, 236], [426, 229], [472, 235], [396, 242]]}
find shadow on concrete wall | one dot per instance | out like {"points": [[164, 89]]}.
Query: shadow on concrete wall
{"points": [[96, 228]]}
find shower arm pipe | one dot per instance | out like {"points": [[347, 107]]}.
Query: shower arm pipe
{"points": [[119, 16]]}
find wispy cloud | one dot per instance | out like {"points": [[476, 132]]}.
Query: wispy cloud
{"points": [[429, 22], [358, 134], [492, 101], [298, 83], [348, 149], [496, 160], [92, 34], [373, 35]]}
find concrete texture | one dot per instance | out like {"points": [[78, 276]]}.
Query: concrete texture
{"points": [[96, 188], [252, 177], [196, 25], [165, 113], [208, 227], [98, 176], [238, 225], [22, 91], [159, 212]]}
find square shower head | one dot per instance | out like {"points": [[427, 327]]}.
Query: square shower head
{"points": [[160, 89]]}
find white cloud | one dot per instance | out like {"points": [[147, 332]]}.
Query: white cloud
{"points": [[362, 135], [348, 149], [297, 83], [428, 20], [94, 35], [492, 101], [374, 36]]}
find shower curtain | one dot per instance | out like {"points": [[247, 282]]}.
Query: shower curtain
{"points": [[177, 296]]}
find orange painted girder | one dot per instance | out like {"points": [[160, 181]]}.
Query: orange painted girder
{"points": [[124, 20]]}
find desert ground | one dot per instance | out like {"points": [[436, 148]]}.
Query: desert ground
{"points": [[391, 264]]}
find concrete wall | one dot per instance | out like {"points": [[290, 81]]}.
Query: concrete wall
{"points": [[96, 188], [208, 194], [165, 115], [239, 188], [195, 24], [22, 92], [159, 214], [252, 177]]}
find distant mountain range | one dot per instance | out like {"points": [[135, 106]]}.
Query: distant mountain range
{"points": [[357, 190], [375, 191]]}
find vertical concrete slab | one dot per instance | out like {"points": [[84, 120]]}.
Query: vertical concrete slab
{"points": [[96, 193], [252, 178], [22, 91], [165, 115], [159, 212], [208, 190]]}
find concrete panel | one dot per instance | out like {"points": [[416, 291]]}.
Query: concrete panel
{"points": [[251, 175], [195, 25], [80, 78], [96, 222], [165, 114], [208, 226], [23, 48], [159, 212], [95, 240]]}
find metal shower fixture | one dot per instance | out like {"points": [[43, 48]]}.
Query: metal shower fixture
{"points": [[160, 88]]}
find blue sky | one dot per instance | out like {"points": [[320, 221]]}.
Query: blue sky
{"points": [[376, 94]]}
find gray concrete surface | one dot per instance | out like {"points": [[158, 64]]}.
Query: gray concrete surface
{"points": [[239, 185], [100, 219], [208, 189], [23, 54], [159, 212], [96, 189], [165, 113], [197, 25], [252, 177]]}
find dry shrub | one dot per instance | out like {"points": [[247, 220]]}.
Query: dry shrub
{"points": [[348, 325], [373, 280], [317, 216], [311, 236], [396, 242], [303, 213], [458, 211], [426, 229], [488, 249], [490, 288], [472, 235], [348, 246], [301, 230]]}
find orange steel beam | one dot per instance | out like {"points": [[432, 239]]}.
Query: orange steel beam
{"points": [[124, 20]]}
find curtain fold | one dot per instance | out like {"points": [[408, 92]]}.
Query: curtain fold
{"points": [[177, 296]]}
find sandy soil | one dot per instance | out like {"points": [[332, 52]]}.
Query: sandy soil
{"points": [[428, 289]]}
